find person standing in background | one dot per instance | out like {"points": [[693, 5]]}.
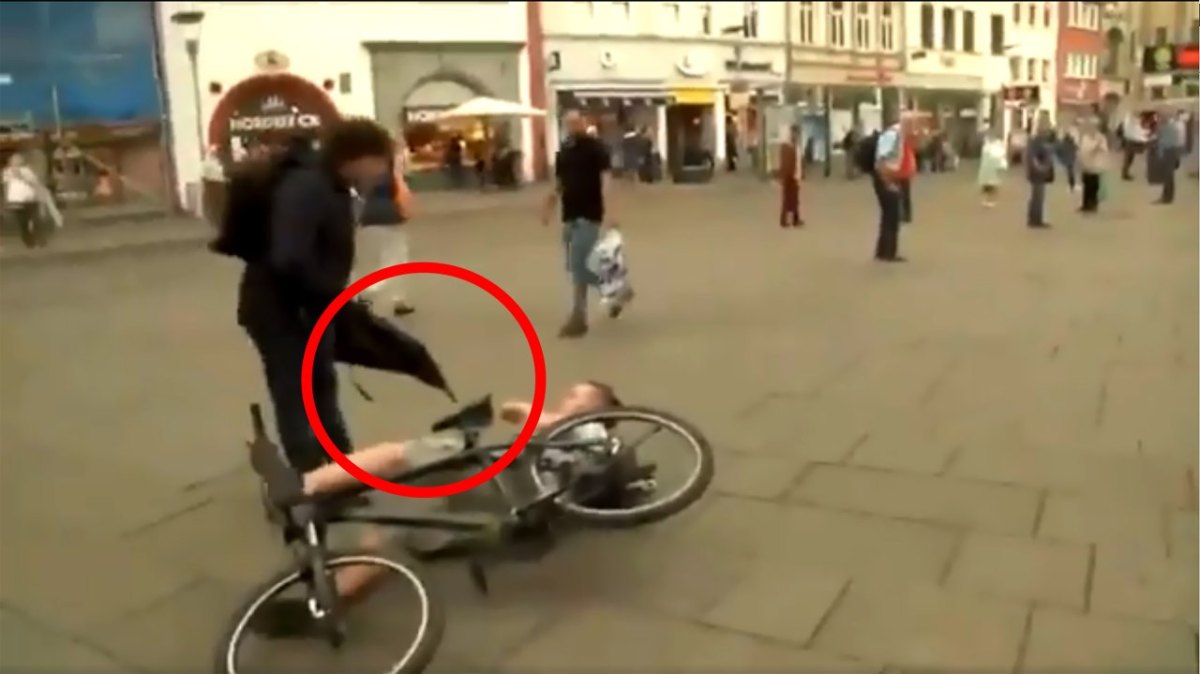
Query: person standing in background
{"points": [[889, 172], [1169, 143], [1039, 170], [1133, 140], [1067, 150], [1093, 160], [382, 239], [790, 167]]}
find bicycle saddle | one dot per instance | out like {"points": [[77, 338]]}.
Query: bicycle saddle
{"points": [[475, 416]]}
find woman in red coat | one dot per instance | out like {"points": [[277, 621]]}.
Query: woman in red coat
{"points": [[789, 180]]}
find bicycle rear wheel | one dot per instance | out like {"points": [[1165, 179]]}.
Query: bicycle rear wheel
{"points": [[657, 506], [415, 652]]}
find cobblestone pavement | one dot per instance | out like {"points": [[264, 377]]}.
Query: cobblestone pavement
{"points": [[983, 460]]}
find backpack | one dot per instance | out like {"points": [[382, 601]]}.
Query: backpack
{"points": [[244, 229], [864, 153]]}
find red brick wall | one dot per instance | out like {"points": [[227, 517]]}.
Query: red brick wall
{"points": [[537, 84], [1077, 41]]}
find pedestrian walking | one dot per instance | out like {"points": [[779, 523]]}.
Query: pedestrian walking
{"points": [[993, 162], [1039, 170], [790, 174], [383, 238], [1067, 151], [29, 202], [582, 172], [1168, 145], [889, 171], [1133, 143], [1093, 160]]}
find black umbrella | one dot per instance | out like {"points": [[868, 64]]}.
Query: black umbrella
{"points": [[363, 339]]}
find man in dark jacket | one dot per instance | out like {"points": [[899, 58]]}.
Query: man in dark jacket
{"points": [[307, 263]]}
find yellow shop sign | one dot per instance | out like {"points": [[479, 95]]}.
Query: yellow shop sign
{"points": [[694, 96]]}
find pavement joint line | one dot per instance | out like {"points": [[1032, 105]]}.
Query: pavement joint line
{"points": [[852, 451], [939, 380], [166, 518], [1043, 498], [837, 374], [829, 611], [960, 542], [800, 502], [1023, 644], [1089, 579], [69, 636], [795, 483], [951, 461], [952, 478]]}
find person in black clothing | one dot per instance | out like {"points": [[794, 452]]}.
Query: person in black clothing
{"points": [[582, 182], [307, 263]]}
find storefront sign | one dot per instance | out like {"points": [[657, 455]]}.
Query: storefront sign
{"points": [[694, 96], [1170, 58], [750, 66], [616, 98], [425, 114], [274, 114], [692, 65], [274, 105], [1030, 94]]}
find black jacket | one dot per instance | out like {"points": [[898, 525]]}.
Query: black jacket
{"points": [[311, 250]]}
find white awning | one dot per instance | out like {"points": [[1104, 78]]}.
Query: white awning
{"points": [[483, 106]]}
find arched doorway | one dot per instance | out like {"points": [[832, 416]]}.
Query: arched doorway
{"points": [[441, 152], [266, 109]]}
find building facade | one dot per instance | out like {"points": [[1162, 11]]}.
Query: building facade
{"points": [[79, 95], [1121, 61], [957, 63], [1032, 52], [1168, 33], [399, 63], [847, 62], [690, 74], [1081, 53]]}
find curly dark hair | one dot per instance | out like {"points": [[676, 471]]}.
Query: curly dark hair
{"points": [[354, 138]]}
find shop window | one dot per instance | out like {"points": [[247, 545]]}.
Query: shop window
{"points": [[949, 43], [997, 34], [968, 40], [927, 26]]}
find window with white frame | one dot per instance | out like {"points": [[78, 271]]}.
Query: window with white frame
{"points": [[1085, 15], [674, 11], [806, 16], [750, 19], [1083, 66], [862, 26], [1014, 68], [1031, 70], [837, 24], [706, 18], [1045, 70], [887, 26]]}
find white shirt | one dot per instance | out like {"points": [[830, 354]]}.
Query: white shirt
{"points": [[20, 185], [1134, 131]]}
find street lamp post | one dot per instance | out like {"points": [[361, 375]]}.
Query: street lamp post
{"points": [[189, 22]]}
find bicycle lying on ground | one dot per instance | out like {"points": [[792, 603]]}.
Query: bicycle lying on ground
{"points": [[569, 466]]}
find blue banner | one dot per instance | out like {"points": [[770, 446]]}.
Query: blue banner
{"points": [[96, 58]]}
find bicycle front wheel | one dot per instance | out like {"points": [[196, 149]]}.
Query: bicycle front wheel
{"points": [[668, 487], [415, 649]]}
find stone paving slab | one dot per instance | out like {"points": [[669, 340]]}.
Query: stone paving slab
{"points": [[1061, 640], [924, 628], [993, 508], [1142, 584], [779, 601], [1081, 519], [1023, 569]]}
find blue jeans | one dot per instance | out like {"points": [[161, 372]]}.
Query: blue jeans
{"points": [[1037, 204], [579, 237]]}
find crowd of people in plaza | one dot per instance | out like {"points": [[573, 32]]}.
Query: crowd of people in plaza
{"points": [[1081, 150]]}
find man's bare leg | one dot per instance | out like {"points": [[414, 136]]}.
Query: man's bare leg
{"points": [[383, 460]]}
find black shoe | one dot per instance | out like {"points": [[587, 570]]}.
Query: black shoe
{"points": [[1041, 225], [573, 329], [619, 304], [402, 309]]}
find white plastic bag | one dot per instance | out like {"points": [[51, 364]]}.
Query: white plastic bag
{"points": [[607, 262]]}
